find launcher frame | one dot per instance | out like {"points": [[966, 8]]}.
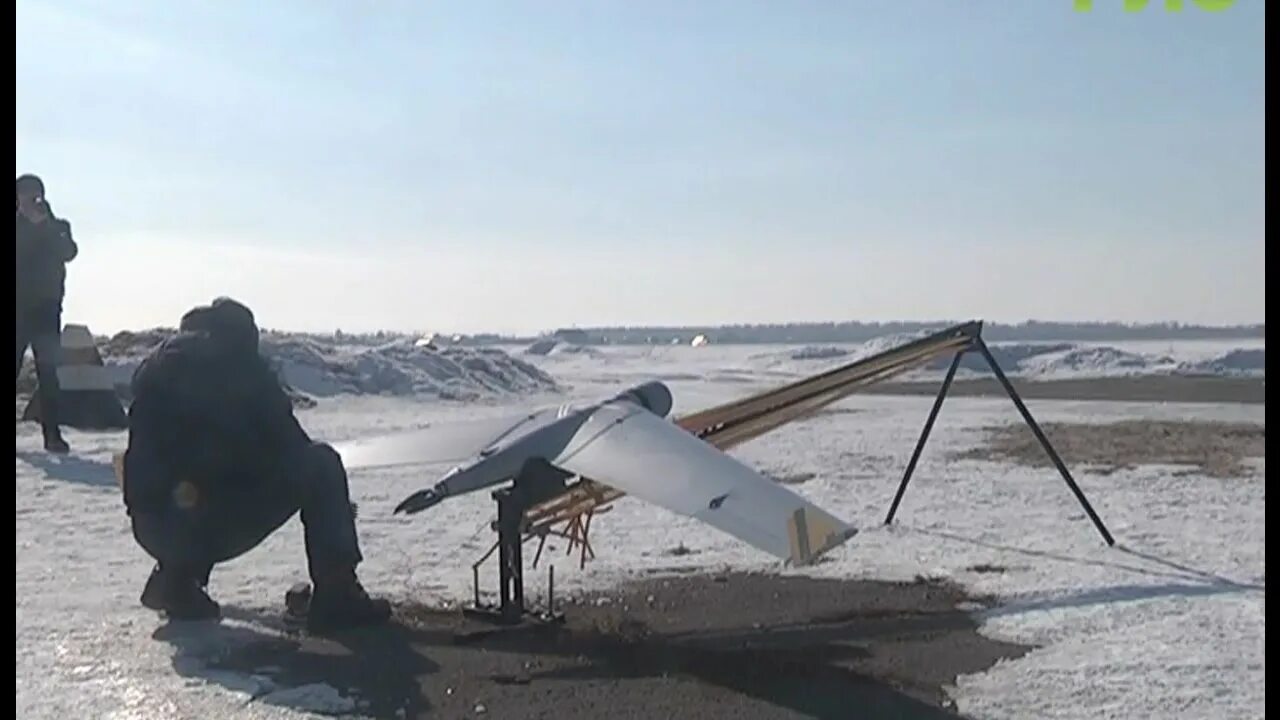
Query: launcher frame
{"points": [[568, 515]]}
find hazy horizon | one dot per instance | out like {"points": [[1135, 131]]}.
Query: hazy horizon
{"points": [[799, 323], [515, 168]]}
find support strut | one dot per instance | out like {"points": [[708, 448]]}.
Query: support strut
{"points": [[980, 346], [1044, 441], [924, 436], [512, 503]]}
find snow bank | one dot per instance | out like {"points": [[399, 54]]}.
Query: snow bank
{"points": [[1009, 356], [1095, 362], [1046, 361], [846, 354], [1038, 360], [542, 347], [550, 347], [818, 352], [1243, 361], [402, 367], [570, 349], [324, 367], [875, 346]]}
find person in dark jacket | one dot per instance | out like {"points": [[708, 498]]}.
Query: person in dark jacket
{"points": [[44, 247], [217, 461]]}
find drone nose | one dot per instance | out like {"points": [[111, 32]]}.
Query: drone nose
{"points": [[654, 396]]}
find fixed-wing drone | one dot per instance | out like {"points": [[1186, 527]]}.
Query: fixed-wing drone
{"points": [[625, 442]]}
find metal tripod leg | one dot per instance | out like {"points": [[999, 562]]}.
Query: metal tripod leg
{"points": [[1044, 441], [924, 436]]}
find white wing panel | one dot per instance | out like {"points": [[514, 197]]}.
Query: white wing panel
{"points": [[646, 456]]}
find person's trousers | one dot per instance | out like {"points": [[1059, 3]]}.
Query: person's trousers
{"points": [[190, 535], [40, 328]]}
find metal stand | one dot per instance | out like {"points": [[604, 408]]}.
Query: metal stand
{"points": [[512, 503], [979, 345]]}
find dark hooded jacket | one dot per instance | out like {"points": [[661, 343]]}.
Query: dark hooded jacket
{"points": [[43, 252], [207, 409]]}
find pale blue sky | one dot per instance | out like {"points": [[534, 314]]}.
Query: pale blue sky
{"points": [[519, 166]]}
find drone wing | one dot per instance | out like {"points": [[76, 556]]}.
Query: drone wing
{"points": [[451, 442], [640, 453]]}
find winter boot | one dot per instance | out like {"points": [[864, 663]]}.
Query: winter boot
{"points": [[340, 602], [54, 442], [179, 595], [49, 415]]}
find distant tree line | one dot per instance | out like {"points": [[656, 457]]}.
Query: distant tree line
{"points": [[846, 332], [826, 332]]}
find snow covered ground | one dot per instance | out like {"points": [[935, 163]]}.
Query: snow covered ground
{"points": [[1169, 624]]}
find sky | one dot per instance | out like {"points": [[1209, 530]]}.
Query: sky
{"points": [[520, 166]]}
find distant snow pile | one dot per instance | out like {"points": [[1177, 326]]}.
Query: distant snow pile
{"points": [[401, 367], [1017, 357], [571, 349], [553, 347], [1069, 360], [1095, 362], [124, 351], [875, 346], [1063, 360], [1252, 362], [321, 366], [542, 347], [818, 352], [784, 358]]}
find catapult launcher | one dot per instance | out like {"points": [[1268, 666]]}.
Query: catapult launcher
{"points": [[561, 467]]}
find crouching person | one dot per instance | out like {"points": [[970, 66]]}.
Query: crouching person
{"points": [[217, 462]]}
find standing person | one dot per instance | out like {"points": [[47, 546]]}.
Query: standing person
{"points": [[44, 247]]}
